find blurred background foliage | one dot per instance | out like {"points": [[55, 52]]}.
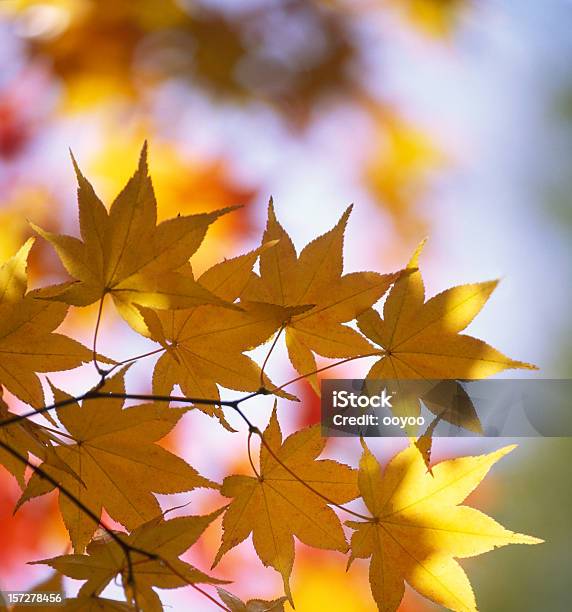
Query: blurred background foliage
{"points": [[447, 118]]}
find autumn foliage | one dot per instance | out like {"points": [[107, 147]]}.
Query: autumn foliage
{"points": [[409, 520]]}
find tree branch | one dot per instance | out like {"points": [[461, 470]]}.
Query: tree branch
{"points": [[97, 393]]}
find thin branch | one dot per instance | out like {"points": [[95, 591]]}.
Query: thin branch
{"points": [[270, 353], [328, 367], [216, 603], [161, 398], [166, 563], [100, 371], [130, 359], [96, 394], [87, 511], [250, 455], [54, 431], [204, 593]]}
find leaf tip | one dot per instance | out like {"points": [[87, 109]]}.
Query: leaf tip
{"points": [[143, 157], [414, 261]]}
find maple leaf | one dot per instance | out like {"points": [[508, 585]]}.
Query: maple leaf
{"points": [[204, 346], [234, 604], [421, 339], [275, 506], [105, 559], [115, 456], [419, 528], [315, 278], [125, 254], [27, 342]]}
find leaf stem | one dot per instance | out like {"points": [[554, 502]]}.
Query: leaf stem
{"points": [[100, 371], [379, 353], [130, 359], [250, 455], [270, 353], [55, 431]]}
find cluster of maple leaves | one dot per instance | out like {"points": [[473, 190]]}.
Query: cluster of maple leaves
{"points": [[103, 456]]}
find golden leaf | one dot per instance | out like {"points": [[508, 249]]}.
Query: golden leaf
{"points": [[275, 506], [419, 528], [115, 456], [26, 438], [204, 346], [167, 539], [125, 254], [315, 279], [421, 339]]}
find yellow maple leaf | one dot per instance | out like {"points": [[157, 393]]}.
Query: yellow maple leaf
{"points": [[314, 278], [167, 539], [115, 456], [125, 254], [419, 528], [27, 342], [421, 339], [274, 506], [204, 346]]}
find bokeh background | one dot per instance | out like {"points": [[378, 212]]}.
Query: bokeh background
{"points": [[443, 118]]}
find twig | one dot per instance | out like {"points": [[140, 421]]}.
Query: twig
{"points": [[87, 511], [379, 353], [125, 547], [100, 371], [130, 359], [270, 353], [250, 455], [177, 573], [96, 394]]}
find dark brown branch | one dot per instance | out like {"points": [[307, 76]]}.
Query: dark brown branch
{"points": [[125, 547], [77, 502], [97, 393]]}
